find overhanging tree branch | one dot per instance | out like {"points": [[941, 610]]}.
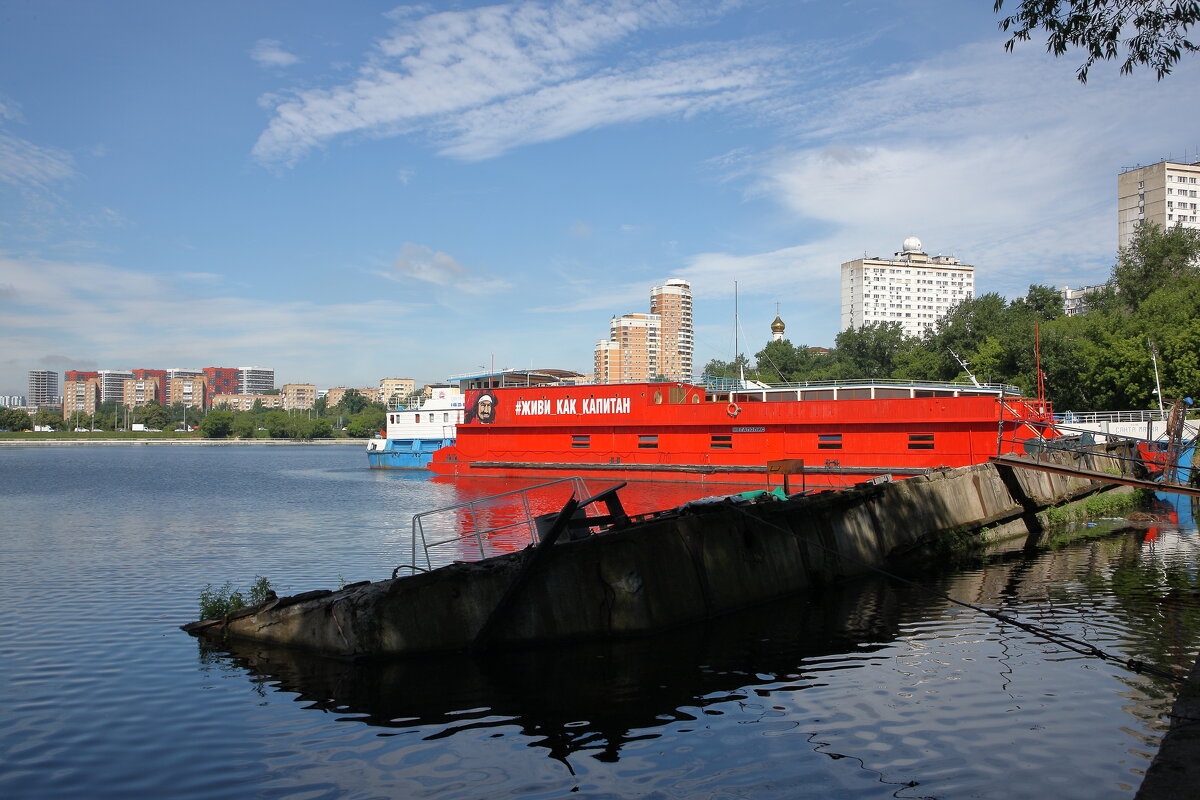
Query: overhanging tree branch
{"points": [[1155, 31]]}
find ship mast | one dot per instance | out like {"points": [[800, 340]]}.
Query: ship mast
{"points": [[737, 353]]}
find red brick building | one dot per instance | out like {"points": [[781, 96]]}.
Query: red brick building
{"points": [[222, 380]]}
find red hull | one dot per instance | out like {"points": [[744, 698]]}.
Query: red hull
{"points": [[673, 432]]}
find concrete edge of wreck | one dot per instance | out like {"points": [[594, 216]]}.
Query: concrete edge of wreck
{"points": [[665, 572]]}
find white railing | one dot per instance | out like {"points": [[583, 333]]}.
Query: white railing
{"points": [[487, 526]]}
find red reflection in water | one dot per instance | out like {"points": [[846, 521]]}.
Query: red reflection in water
{"points": [[484, 524]]}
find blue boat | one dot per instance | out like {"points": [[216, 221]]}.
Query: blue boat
{"points": [[414, 434]]}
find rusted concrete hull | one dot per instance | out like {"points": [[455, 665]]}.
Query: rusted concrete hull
{"points": [[663, 573]]}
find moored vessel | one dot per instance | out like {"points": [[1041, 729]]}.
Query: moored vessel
{"points": [[412, 435], [835, 434]]}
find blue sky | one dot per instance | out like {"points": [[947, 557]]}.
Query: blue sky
{"points": [[347, 192]]}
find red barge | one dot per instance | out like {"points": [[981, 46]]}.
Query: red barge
{"points": [[844, 432]]}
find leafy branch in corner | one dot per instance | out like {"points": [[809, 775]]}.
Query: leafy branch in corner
{"points": [[1156, 30]]}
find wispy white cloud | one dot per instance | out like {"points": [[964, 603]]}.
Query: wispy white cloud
{"points": [[270, 53], [1003, 160], [424, 264], [484, 81], [25, 164], [121, 318]]}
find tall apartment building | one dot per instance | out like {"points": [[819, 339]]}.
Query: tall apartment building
{"points": [[174, 374], [1166, 193], [913, 289], [159, 375], [298, 395], [645, 347], [672, 302], [631, 351], [112, 384], [192, 391], [142, 391], [222, 380], [43, 388], [81, 394], [255, 380]]}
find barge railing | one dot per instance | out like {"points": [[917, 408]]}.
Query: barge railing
{"points": [[465, 525]]}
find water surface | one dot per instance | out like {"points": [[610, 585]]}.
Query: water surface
{"points": [[872, 690]]}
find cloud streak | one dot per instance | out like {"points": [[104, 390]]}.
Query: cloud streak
{"points": [[268, 53], [481, 82]]}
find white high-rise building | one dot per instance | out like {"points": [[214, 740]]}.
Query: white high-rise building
{"points": [[255, 380], [913, 289], [112, 384], [1166, 193]]}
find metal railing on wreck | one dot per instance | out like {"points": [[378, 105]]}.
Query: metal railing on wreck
{"points": [[487, 526], [1158, 458]]}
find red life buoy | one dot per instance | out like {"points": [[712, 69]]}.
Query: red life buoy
{"points": [[733, 409]]}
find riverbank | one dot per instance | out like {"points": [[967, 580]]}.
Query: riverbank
{"points": [[205, 442]]}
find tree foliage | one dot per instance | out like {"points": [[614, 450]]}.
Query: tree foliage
{"points": [[1153, 33], [217, 424], [1153, 259], [1097, 361], [14, 419]]}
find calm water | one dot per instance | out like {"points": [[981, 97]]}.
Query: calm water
{"points": [[873, 691]]}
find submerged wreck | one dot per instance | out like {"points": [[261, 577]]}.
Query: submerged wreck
{"points": [[608, 575]]}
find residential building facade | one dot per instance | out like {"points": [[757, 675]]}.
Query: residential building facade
{"points": [[298, 395], [245, 402], [653, 346], [334, 395], [81, 395], [1075, 300], [190, 390], [256, 380], [672, 302], [222, 380], [394, 390], [112, 384], [913, 289], [1166, 193], [43, 388], [142, 391], [631, 351]]}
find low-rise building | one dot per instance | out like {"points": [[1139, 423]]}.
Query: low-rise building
{"points": [[299, 395], [393, 390], [245, 402], [1075, 300], [335, 395]]}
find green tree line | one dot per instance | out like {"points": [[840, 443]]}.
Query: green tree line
{"points": [[1096, 361], [354, 413]]}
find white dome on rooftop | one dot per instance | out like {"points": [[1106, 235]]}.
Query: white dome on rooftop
{"points": [[912, 245]]}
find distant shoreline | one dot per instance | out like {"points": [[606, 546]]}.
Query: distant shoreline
{"points": [[194, 442]]}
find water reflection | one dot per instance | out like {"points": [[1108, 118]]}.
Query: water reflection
{"points": [[1127, 592], [598, 697]]}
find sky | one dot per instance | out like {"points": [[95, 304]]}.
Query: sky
{"points": [[345, 192]]}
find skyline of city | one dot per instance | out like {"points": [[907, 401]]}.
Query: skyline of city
{"points": [[343, 192]]}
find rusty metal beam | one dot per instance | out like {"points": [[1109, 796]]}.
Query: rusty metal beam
{"points": [[1127, 480]]}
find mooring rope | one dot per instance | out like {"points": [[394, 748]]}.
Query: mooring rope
{"points": [[1071, 643]]}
